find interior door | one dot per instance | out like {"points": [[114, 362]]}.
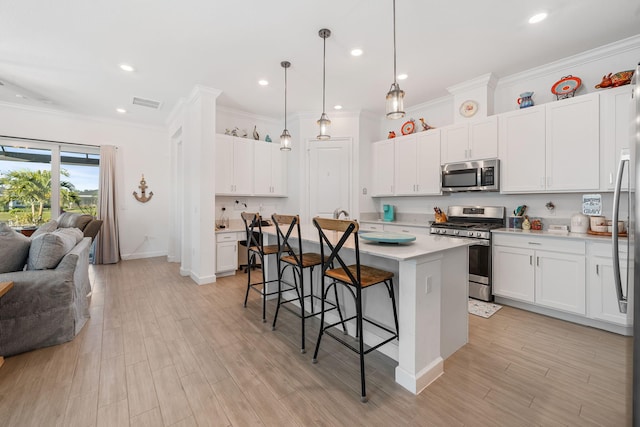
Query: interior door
{"points": [[329, 177]]}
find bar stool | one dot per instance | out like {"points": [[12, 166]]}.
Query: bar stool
{"points": [[256, 248], [296, 262], [356, 278]]}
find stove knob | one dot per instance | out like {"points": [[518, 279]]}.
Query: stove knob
{"points": [[479, 234], [456, 232]]}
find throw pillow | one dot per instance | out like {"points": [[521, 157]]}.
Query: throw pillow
{"points": [[45, 228], [48, 249], [14, 249]]}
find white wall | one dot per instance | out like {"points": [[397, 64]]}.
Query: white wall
{"points": [[141, 150]]}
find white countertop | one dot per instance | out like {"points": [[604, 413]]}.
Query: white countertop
{"points": [[565, 235], [400, 223], [423, 245]]}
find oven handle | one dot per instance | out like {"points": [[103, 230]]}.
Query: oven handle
{"points": [[481, 242]]}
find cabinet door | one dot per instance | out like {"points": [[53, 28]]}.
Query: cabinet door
{"points": [[522, 150], [455, 143], [428, 163], [262, 169], [573, 144], [383, 168], [483, 139], [405, 165], [278, 171], [224, 165], [417, 231], [226, 256], [560, 281], [243, 166], [616, 129], [513, 273], [603, 299]]}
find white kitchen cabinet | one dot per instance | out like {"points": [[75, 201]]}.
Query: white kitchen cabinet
{"points": [[470, 141], [382, 168], [269, 173], [603, 299], [417, 164], [573, 144], [616, 129], [513, 273], [234, 165], [560, 281], [552, 147], [522, 150], [544, 271], [415, 230], [226, 252]]}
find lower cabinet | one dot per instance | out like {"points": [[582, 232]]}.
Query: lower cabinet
{"points": [[603, 298], [226, 252], [525, 269], [396, 228]]}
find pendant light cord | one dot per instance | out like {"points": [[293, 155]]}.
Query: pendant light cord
{"points": [[324, 64], [394, 43], [285, 98]]}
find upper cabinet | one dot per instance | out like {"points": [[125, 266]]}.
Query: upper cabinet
{"points": [[551, 147], [234, 165], [269, 177], [382, 154], [417, 164], [616, 130], [470, 141], [407, 166], [245, 167]]}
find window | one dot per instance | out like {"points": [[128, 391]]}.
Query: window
{"points": [[39, 179]]}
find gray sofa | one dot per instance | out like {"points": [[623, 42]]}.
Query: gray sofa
{"points": [[48, 304]]}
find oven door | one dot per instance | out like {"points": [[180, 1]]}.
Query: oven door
{"points": [[480, 271]]}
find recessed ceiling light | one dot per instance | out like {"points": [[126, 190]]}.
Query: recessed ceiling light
{"points": [[121, 110], [538, 17], [356, 52], [402, 76], [337, 107], [127, 67], [263, 82], [19, 95]]}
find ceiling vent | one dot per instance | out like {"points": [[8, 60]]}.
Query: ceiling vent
{"points": [[149, 103]]}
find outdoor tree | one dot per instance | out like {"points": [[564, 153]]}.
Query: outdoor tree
{"points": [[33, 189]]}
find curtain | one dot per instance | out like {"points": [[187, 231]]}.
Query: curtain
{"points": [[107, 242]]}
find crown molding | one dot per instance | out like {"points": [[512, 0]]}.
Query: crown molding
{"points": [[486, 80], [443, 101], [246, 115], [611, 49]]}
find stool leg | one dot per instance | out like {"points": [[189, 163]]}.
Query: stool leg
{"points": [[300, 271], [246, 296], [393, 302], [344, 327], [264, 292], [321, 331], [275, 316], [363, 395]]}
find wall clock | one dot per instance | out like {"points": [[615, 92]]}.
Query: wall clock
{"points": [[468, 108]]}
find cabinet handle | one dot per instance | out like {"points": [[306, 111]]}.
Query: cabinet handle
{"points": [[417, 188], [469, 153], [598, 269], [537, 261], [530, 259], [534, 243], [610, 178]]}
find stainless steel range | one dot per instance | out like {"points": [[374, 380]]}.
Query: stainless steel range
{"points": [[474, 222]]}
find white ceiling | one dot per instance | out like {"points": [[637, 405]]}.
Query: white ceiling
{"points": [[67, 52]]}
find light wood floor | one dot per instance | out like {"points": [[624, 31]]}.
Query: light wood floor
{"points": [[161, 351]]}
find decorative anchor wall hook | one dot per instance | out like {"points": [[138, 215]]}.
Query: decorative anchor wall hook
{"points": [[143, 188]]}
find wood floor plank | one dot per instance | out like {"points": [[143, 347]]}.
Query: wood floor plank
{"points": [[82, 410], [207, 411], [141, 391], [171, 398], [114, 414], [113, 381], [151, 418]]}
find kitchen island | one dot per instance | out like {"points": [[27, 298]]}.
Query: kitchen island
{"points": [[431, 282]]}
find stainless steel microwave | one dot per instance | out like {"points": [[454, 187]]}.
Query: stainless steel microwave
{"points": [[479, 175]]}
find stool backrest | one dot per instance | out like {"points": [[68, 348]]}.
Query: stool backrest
{"points": [[284, 235], [341, 230], [253, 227]]}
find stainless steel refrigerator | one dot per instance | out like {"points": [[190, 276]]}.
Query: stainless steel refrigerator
{"points": [[626, 280]]}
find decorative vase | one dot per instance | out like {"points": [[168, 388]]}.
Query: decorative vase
{"points": [[256, 135], [525, 100]]}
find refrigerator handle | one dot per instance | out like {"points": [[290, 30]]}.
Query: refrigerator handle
{"points": [[622, 299]]}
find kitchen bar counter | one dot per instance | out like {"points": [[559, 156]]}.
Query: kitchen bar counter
{"points": [[546, 233], [431, 282]]}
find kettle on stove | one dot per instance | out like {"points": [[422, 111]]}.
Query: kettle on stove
{"points": [[579, 223]]}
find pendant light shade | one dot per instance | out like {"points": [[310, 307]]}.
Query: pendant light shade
{"points": [[285, 138], [395, 97], [324, 121]]}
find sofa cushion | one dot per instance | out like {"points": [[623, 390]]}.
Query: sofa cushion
{"points": [[14, 249], [45, 228], [73, 219], [48, 249]]}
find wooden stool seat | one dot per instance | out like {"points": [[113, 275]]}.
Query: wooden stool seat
{"points": [[368, 275], [308, 259], [266, 250]]}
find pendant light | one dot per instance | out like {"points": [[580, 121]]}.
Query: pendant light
{"points": [[395, 97], [324, 121], [285, 138]]}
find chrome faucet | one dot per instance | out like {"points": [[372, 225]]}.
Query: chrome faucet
{"points": [[338, 212]]}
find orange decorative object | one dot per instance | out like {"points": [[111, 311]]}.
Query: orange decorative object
{"points": [[614, 80], [392, 134], [408, 127]]}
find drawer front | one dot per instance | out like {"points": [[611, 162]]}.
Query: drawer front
{"points": [[572, 246], [422, 231], [226, 237], [368, 226]]}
